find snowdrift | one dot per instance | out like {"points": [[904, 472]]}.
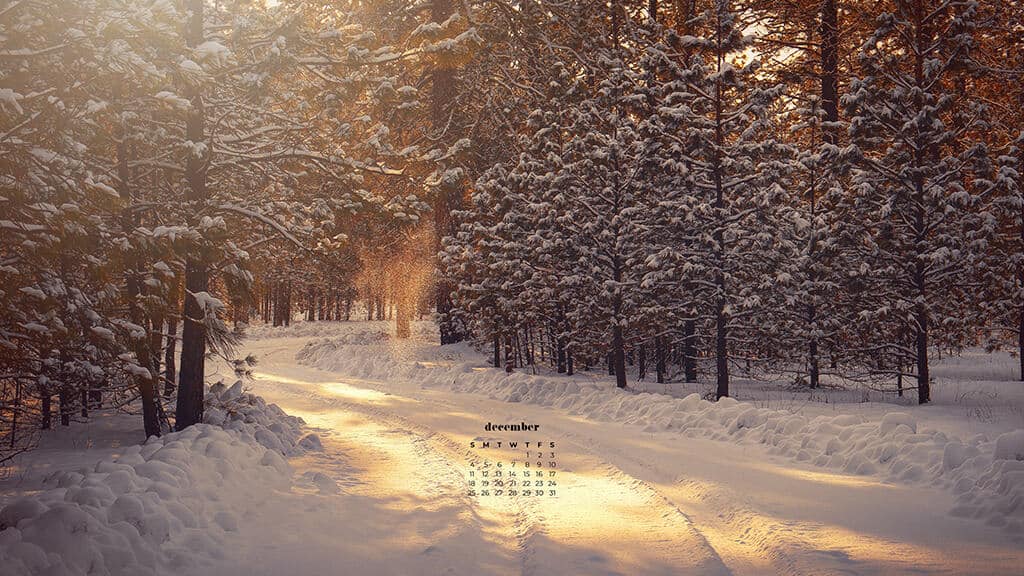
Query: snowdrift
{"points": [[986, 475], [166, 506]]}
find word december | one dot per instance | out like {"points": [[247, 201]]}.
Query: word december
{"points": [[523, 427]]}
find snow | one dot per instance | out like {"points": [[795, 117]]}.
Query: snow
{"points": [[173, 100], [907, 488], [213, 53], [365, 474], [9, 101], [889, 446], [1010, 446], [157, 507], [148, 510]]}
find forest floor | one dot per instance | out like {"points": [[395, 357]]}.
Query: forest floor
{"points": [[387, 494]]}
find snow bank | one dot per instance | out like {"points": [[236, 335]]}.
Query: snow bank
{"points": [[164, 506], [256, 421], [987, 476]]}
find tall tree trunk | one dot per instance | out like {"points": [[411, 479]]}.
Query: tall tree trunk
{"points": [[288, 303], [721, 322], [46, 410], [659, 358], [923, 381], [829, 31], [497, 350], [922, 38], [509, 359], [193, 334], [618, 356], [641, 362], [690, 351], [528, 346], [64, 397], [1020, 344], [721, 351], [560, 355], [15, 411]]}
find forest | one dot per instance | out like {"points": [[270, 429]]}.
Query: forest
{"points": [[822, 191]]}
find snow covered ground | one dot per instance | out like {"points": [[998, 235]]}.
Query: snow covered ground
{"points": [[780, 482]]}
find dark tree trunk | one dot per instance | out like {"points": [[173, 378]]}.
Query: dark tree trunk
{"points": [[618, 357], [1020, 344], [923, 381], [721, 322], [528, 346], [276, 299], [813, 369], [193, 350], [690, 351], [721, 351], [14, 412], [920, 217], [64, 397], [288, 303], [568, 362], [497, 351], [829, 31], [560, 355], [509, 359], [193, 334], [641, 361], [47, 410], [659, 358]]}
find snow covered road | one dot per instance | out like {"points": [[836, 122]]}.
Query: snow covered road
{"points": [[387, 495]]}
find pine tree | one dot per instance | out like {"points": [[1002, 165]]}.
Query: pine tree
{"points": [[734, 176], [913, 209]]}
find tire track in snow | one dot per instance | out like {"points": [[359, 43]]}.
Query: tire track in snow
{"points": [[569, 531], [432, 452]]}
